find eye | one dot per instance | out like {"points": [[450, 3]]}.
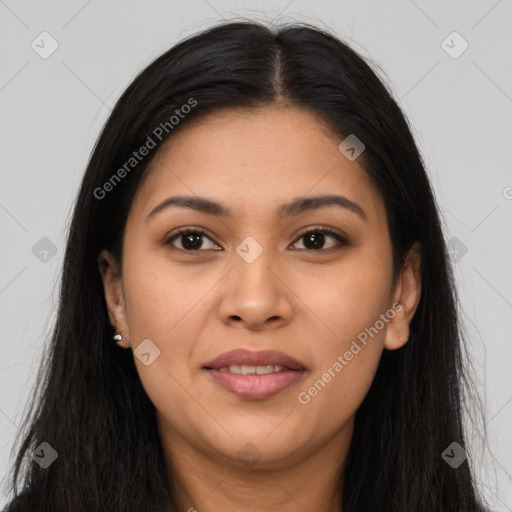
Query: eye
{"points": [[190, 240], [315, 239]]}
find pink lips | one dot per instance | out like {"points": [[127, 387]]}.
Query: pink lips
{"points": [[255, 387]]}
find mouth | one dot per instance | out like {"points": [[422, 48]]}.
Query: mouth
{"points": [[255, 375]]}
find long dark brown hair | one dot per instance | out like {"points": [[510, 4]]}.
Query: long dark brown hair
{"points": [[91, 407]]}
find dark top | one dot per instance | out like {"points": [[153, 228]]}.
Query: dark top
{"points": [[25, 502]]}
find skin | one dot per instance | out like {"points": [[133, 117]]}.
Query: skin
{"points": [[308, 303]]}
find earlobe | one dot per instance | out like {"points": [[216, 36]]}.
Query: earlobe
{"points": [[114, 296], [407, 295]]}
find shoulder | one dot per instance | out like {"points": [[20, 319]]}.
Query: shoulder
{"points": [[24, 502]]}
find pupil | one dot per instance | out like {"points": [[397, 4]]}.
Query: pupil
{"points": [[314, 240], [192, 241]]}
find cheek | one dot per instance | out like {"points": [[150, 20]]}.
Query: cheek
{"points": [[345, 362], [350, 303], [166, 306], [332, 396], [163, 300], [349, 298]]}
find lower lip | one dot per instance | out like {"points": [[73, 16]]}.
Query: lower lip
{"points": [[255, 387]]}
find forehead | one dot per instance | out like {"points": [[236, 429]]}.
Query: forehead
{"points": [[255, 158]]}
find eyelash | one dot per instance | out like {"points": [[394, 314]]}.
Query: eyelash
{"points": [[342, 241]]}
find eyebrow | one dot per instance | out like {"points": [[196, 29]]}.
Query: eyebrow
{"points": [[294, 207]]}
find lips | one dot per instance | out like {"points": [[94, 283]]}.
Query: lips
{"points": [[241, 357], [255, 375]]}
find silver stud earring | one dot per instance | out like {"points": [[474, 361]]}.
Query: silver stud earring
{"points": [[118, 337]]}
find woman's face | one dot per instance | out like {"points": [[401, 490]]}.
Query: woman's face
{"points": [[255, 281]]}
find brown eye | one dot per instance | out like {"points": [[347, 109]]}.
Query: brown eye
{"points": [[191, 240], [315, 240]]}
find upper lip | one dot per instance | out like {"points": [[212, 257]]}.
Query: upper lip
{"points": [[247, 357]]}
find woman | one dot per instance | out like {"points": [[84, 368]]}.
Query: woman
{"points": [[257, 310]]}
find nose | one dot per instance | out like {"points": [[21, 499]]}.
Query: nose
{"points": [[255, 295]]}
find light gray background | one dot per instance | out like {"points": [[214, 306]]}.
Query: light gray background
{"points": [[460, 110]]}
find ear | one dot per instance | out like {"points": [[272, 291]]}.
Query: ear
{"points": [[406, 295], [114, 295]]}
